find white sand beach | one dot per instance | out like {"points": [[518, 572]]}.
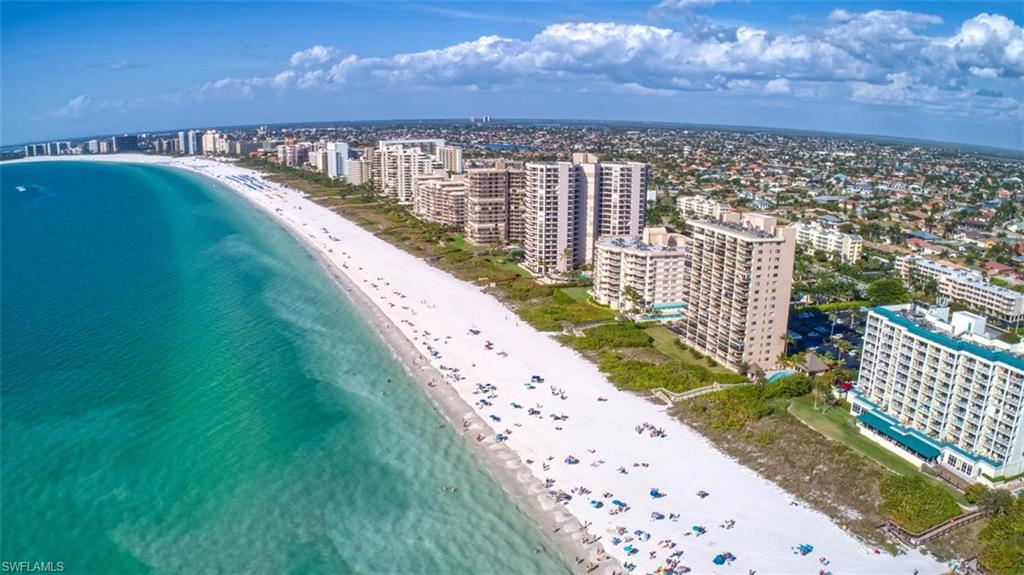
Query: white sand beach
{"points": [[587, 440]]}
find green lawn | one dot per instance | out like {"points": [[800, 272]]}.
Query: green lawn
{"points": [[665, 342], [840, 426], [578, 294]]}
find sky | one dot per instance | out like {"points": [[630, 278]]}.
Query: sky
{"points": [[946, 71]]}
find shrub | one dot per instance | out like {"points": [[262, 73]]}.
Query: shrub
{"points": [[611, 336], [522, 289], [916, 504], [674, 376], [1002, 542], [975, 493], [733, 408]]}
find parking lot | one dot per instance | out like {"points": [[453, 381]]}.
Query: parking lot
{"points": [[812, 330]]}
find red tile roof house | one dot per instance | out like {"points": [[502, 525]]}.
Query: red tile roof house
{"points": [[996, 268]]}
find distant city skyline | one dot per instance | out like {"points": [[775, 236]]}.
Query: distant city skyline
{"points": [[948, 72]]}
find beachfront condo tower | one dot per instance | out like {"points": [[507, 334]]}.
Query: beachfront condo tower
{"points": [[942, 389], [401, 161], [738, 280], [487, 205], [337, 159], [551, 218], [441, 199], [642, 275], [568, 206]]}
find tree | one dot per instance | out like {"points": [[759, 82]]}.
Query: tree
{"points": [[887, 291]]}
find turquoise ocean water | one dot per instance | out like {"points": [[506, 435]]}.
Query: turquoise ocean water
{"points": [[184, 391]]}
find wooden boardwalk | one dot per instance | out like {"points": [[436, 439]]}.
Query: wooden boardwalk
{"points": [[915, 539]]}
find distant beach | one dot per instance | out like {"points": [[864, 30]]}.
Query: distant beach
{"points": [[599, 470]]}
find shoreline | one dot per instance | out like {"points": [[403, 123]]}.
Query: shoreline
{"points": [[768, 521], [499, 461]]}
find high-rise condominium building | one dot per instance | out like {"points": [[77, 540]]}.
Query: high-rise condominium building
{"points": [[738, 280], [942, 390], [337, 159], [552, 219], [600, 198], [210, 142], [487, 198], [195, 143], [701, 208], [182, 142], [400, 165], [645, 275], [966, 286], [516, 205], [451, 159], [441, 199], [357, 171], [621, 197], [837, 245]]}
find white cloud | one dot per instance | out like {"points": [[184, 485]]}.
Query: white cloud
{"points": [[73, 108], [874, 57], [985, 42], [777, 86], [316, 55]]}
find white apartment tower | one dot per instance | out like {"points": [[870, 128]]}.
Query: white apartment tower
{"points": [[942, 389], [601, 198], [337, 159], [551, 218], [400, 164], [357, 171], [642, 274]]}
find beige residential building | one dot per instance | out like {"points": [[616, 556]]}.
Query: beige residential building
{"points": [[516, 205], [441, 199], [357, 171], [552, 218], [739, 277], [487, 195], [451, 159], [837, 245], [701, 208], [644, 274]]}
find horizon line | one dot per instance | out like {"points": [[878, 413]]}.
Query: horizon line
{"points": [[1017, 152]]}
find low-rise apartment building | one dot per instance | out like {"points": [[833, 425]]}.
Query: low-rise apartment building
{"points": [[701, 208], [965, 286], [942, 389], [837, 245]]}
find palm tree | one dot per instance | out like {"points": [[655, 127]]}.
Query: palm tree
{"points": [[787, 340]]}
